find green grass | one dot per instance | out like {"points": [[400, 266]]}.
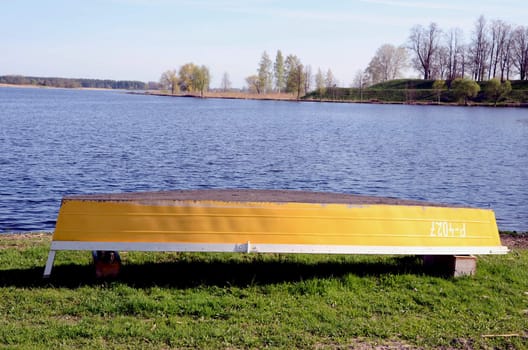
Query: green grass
{"points": [[210, 301], [404, 84], [419, 91]]}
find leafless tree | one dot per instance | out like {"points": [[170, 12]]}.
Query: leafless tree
{"points": [[423, 43], [253, 84], [169, 81], [500, 35], [361, 79], [455, 52], [387, 63], [479, 49], [506, 54], [320, 83], [308, 78], [520, 51], [330, 80], [226, 82]]}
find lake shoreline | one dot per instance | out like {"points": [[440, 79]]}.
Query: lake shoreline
{"points": [[277, 97], [291, 98]]}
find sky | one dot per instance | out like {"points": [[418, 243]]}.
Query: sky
{"points": [[140, 39]]}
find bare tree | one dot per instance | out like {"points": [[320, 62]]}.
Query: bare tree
{"points": [[455, 51], [169, 81], [387, 63], [423, 43], [308, 78], [226, 82], [440, 63], [520, 51], [361, 79], [320, 83], [505, 57], [500, 36], [253, 84], [479, 49], [330, 80]]}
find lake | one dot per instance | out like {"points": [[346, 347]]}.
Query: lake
{"points": [[57, 142]]}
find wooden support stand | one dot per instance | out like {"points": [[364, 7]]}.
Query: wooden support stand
{"points": [[452, 265]]}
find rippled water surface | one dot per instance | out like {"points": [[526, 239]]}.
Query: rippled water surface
{"points": [[57, 142]]}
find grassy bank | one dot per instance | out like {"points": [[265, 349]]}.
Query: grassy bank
{"points": [[418, 91], [257, 301]]}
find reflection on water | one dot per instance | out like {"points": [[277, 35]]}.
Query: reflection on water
{"points": [[56, 142]]}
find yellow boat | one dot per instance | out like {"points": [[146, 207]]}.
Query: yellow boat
{"points": [[273, 221]]}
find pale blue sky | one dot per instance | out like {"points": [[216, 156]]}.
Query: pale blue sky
{"points": [[139, 39]]}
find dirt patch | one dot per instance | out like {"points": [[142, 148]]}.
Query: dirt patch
{"points": [[18, 240], [515, 241], [365, 344], [249, 195]]}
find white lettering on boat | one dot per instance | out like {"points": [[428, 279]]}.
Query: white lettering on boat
{"points": [[448, 229]]}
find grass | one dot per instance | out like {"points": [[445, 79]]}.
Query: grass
{"points": [[419, 91], [210, 301]]}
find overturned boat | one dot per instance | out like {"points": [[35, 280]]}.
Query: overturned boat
{"points": [[274, 221]]}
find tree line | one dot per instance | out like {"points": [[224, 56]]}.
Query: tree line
{"points": [[189, 78], [73, 83], [495, 49], [288, 75]]}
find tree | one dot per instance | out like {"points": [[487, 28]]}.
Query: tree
{"points": [[169, 81], [423, 43], [465, 89], [438, 86], [278, 69], [455, 51], [186, 73], [330, 80], [520, 51], [253, 83], [264, 72], [500, 38], [201, 79], [294, 75], [320, 83], [361, 81], [495, 90], [308, 78], [479, 49], [505, 53], [226, 82], [387, 63]]}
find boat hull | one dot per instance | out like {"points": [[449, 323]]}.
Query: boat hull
{"points": [[146, 223]]}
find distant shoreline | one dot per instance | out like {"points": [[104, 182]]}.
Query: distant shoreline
{"points": [[292, 98], [274, 97], [26, 86]]}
